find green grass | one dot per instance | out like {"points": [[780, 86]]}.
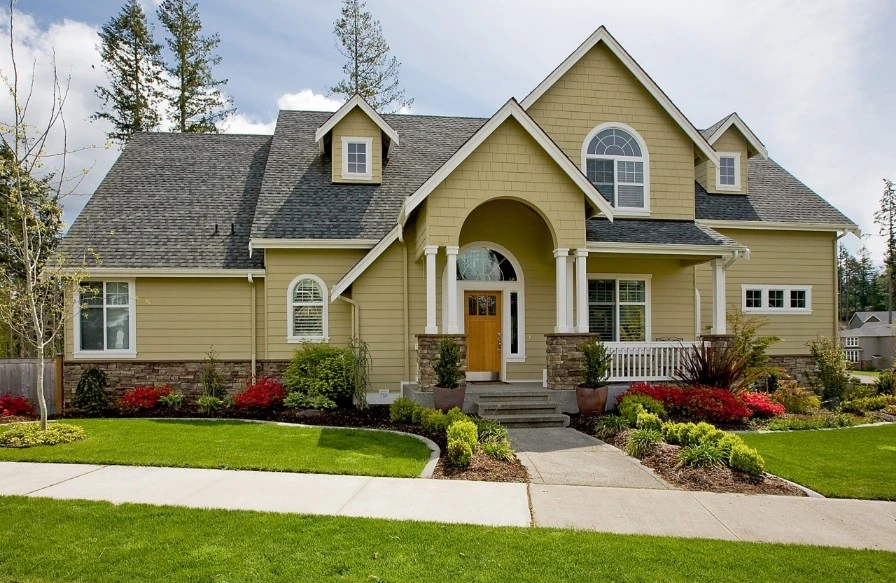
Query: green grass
{"points": [[857, 462], [866, 373], [50, 540], [235, 445]]}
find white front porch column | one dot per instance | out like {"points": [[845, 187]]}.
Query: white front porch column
{"points": [[451, 287], [560, 259], [719, 325], [570, 288], [431, 326], [581, 291]]}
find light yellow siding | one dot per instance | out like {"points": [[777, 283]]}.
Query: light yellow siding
{"points": [[599, 89], [356, 124], [781, 258], [730, 141], [508, 164]]}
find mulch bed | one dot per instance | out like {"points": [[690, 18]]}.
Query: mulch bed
{"points": [[483, 468]]}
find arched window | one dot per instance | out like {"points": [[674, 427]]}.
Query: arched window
{"points": [[307, 309], [615, 160], [484, 264]]}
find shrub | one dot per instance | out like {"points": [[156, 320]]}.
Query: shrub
{"points": [[90, 394], [172, 400], [747, 342], [647, 420], [30, 435], [321, 369], [490, 429], [744, 458], [721, 366], [497, 448], [762, 405], [459, 453], [699, 403], [142, 398], [688, 434], [448, 366], [641, 442], [826, 421], [403, 410], [211, 383], [456, 414], [209, 404], [433, 420], [609, 425], [831, 376], [464, 431], [300, 401], [596, 361], [702, 455], [796, 399], [265, 394], [727, 443], [868, 403], [885, 384], [631, 404], [15, 406]]}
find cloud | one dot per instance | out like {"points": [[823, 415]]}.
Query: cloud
{"points": [[241, 123], [308, 100]]}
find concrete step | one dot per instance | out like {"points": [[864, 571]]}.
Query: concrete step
{"points": [[516, 407], [527, 395], [541, 420]]}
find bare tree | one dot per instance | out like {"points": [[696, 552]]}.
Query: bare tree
{"points": [[36, 278]]}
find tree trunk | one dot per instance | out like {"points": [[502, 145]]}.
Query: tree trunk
{"points": [[41, 397], [890, 294]]}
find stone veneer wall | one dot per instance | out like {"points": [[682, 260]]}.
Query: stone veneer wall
{"points": [[797, 365], [183, 376], [564, 359], [428, 354]]}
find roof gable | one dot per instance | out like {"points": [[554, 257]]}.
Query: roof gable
{"points": [[355, 101], [714, 132], [602, 35]]}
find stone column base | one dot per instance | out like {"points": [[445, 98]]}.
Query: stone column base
{"points": [[564, 359], [428, 354]]}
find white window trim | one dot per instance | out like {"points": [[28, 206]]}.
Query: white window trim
{"points": [[852, 342], [736, 185], [765, 309], [648, 314], [77, 352], [368, 142], [290, 312], [645, 157]]}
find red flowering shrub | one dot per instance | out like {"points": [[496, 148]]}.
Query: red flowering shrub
{"points": [[142, 398], [15, 406], [697, 403], [762, 405], [265, 394]]}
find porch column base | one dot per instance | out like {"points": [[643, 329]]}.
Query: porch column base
{"points": [[564, 359], [428, 354]]}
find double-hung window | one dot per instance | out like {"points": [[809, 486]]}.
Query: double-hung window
{"points": [[615, 161], [777, 299], [728, 174], [618, 308], [356, 158], [852, 342], [307, 321], [105, 322]]}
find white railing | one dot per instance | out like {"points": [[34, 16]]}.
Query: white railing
{"points": [[647, 361], [854, 354]]}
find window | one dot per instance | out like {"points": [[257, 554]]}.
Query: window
{"points": [[484, 264], [618, 308], [774, 299], [728, 175], [356, 161], [615, 161], [307, 310], [105, 317], [852, 342]]}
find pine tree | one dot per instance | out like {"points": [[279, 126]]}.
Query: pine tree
{"points": [[196, 101], [370, 71], [134, 71], [885, 217]]}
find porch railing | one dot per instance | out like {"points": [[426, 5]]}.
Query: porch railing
{"points": [[647, 361], [854, 354]]}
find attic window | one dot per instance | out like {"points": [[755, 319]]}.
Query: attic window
{"points": [[356, 158], [614, 158], [728, 176]]}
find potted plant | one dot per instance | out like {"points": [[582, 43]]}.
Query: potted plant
{"points": [[448, 392], [591, 395]]}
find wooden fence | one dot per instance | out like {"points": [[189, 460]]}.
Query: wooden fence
{"points": [[18, 376]]}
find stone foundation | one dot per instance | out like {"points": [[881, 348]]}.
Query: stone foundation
{"points": [[564, 359], [428, 354], [182, 376], [798, 366]]}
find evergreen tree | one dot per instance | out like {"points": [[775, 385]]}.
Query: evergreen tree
{"points": [[885, 217], [370, 71], [134, 71], [196, 101]]}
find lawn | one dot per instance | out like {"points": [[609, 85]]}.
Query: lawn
{"points": [[98, 542], [235, 445], [844, 463]]}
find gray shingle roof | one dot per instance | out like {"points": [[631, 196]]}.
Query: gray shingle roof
{"points": [[870, 330], [774, 195], [663, 232], [299, 201], [158, 205], [708, 132], [881, 316]]}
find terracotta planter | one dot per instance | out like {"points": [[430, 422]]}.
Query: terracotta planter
{"points": [[447, 399], [591, 401]]}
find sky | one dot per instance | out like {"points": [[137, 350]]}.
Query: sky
{"points": [[814, 79]]}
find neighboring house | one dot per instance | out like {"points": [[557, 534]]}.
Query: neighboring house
{"points": [[859, 319], [591, 208], [872, 344]]}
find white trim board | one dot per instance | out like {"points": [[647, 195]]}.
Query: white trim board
{"points": [[604, 36], [355, 101], [737, 122], [365, 262], [779, 226], [666, 249], [311, 244], [508, 110]]}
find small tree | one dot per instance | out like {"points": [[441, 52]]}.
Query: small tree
{"points": [[596, 362], [211, 382], [831, 377], [750, 345], [885, 217], [369, 69], [196, 101], [448, 367]]}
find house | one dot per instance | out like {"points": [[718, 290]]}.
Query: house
{"points": [[859, 319], [870, 340], [591, 208]]}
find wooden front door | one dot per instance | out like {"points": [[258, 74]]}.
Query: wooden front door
{"points": [[482, 324]]}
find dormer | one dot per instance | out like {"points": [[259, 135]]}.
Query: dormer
{"points": [[735, 143], [357, 140]]}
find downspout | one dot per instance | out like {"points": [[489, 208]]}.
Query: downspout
{"points": [[252, 331], [405, 317], [356, 316]]}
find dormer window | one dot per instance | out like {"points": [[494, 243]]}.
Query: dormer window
{"points": [[728, 176], [356, 158], [614, 158]]}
